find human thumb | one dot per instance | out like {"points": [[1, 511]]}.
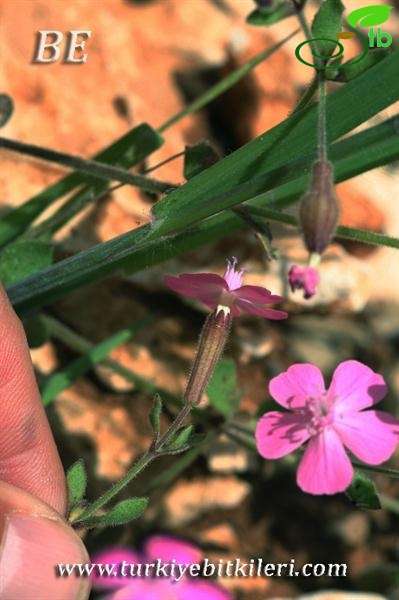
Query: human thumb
{"points": [[34, 539]]}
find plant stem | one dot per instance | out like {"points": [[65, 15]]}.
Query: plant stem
{"points": [[394, 473], [359, 235], [156, 450], [322, 122], [79, 344], [89, 167], [307, 96]]}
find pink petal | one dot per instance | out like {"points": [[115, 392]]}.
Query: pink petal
{"points": [[355, 386], [325, 468], [206, 287], [255, 293], [295, 386], [372, 435], [166, 548], [255, 309], [277, 434], [195, 589], [112, 556]]}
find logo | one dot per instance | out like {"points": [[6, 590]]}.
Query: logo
{"points": [[368, 16]]}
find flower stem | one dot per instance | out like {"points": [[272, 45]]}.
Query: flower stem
{"points": [[375, 469], [212, 341], [155, 451], [322, 125]]}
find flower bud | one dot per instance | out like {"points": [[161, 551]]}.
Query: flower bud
{"points": [[210, 347], [319, 209]]}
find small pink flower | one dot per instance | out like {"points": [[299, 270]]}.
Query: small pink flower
{"points": [[227, 293], [152, 587], [304, 278], [328, 420]]}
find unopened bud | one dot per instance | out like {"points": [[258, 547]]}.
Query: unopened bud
{"points": [[319, 209], [210, 347]]}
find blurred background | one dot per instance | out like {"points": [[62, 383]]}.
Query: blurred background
{"points": [[146, 60]]}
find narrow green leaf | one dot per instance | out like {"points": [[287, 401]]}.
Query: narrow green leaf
{"points": [[141, 248], [126, 152], [368, 16], [123, 512], [6, 109], [24, 258], [347, 108], [283, 156], [326, 24], [180, 440], [198, 158], [347, 74], [76, 479], [222, 388], [36, 331], [349, 233], [91, 168], [363, 492], [61, 380], [155, 416], [266, 16]]}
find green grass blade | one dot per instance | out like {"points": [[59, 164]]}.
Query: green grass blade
{"points": [[347, 108], [92, 168], [61, 380], [126, 152], [142, 247], [348, 233]]}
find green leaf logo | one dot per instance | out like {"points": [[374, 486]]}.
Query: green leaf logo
{"points": [[369, 15]]}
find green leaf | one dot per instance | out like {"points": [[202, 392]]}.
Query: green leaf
{"points": [[24, 258], [155, 416], [348, 73], [272, 169], [6, 109], [64, 378], [348, 233], [296, 137], [180, 441], [76, 479], [222, 388], [367, 16], [326, 24], [88, 167], [266, 16], [123, 512], [36, 331], [363, 492], [198, 158], [126, 152]]}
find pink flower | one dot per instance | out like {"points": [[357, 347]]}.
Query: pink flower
{"points": [[135, 585], [304, 278], [328, 420], [227, 293]]}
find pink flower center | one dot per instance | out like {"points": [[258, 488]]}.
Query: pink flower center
{"points": [[320, 413], [233, 277]]}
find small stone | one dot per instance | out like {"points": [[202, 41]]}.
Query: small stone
{"points": [[189, 499]]}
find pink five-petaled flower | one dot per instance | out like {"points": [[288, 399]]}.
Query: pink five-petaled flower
{"points": [[159, 552], [328, 420], [227, 293], [304, 278]]}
